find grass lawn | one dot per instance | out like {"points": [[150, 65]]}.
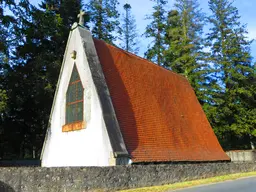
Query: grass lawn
{"points": [[191, 183]]}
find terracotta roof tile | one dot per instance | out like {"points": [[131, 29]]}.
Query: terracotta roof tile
{"points": [[157, 110]]}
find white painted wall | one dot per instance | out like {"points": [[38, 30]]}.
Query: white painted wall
{"points": [[86, 147]]}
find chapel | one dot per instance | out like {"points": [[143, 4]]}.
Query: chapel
{"points": [[112, 107]]}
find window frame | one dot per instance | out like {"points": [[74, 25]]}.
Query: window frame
{"points": [[79, 124]]}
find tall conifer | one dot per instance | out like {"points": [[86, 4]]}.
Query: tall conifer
{"points": [[33, 75], [105, 19], [155, 31], [6, 43], [234, 101], [184, 53], [129, 35]]}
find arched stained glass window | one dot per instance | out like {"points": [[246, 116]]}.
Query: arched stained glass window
{"points": [[74, 98]]}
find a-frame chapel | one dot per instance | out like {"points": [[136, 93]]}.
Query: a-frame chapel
{"points": [[114, 108]]}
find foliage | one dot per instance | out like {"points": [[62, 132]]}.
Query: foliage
{"points": [[3, 100], [31, 79], [234, 104], [184, 53], [104, 19], [155, 31], [129, 35], [6, 41]]}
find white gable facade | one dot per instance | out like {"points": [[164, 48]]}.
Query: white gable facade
{"points": [[91, 144]]}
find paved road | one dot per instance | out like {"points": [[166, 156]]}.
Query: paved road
{"points": [[240, 185]]}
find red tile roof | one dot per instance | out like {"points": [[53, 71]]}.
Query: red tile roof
{"points": [[159, 115]]}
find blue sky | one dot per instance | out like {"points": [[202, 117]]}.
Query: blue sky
{"points": [[140, 8]]}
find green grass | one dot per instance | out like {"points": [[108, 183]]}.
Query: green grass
{"points": [[191, 183]]}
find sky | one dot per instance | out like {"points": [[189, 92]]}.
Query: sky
{"points": [[141, 8]]}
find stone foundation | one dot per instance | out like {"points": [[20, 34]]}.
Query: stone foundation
{"points": [[31, 179]]}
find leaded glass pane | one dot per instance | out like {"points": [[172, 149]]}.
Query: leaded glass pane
{"points": [[79, 91], [68, 115], [74, 98], [80, 111], [71, 93], [75, 75], [73, 113]]}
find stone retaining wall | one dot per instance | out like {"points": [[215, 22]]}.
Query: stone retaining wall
{"points": [[242, 156], [38, 179]]}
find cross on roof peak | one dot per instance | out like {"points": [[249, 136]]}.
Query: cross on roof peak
{"points": [[81, 17]]}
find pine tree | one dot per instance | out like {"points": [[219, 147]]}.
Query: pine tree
{"points": [[5, 43], [105, 19], [234, 101], [192, 20], [179, 53], [155, 30], [32, 77], [67, 10], [184, 54], [6, 39], [129, 35], [5, 21]]}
